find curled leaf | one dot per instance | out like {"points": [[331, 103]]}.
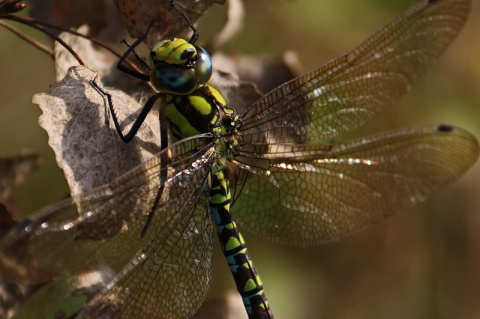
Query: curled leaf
{"points": [[82, 135], [138, 14], [13, 171]]}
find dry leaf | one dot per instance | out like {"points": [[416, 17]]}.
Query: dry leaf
{"points": [[102, 18], [13, 171], [138, 14], [82, 134]]}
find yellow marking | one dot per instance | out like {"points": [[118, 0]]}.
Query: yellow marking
{"points": [[176, 55], [200, 104], [221, 176], [231, 226], [214, 118], [259, 280], [232, 243], [180, 121], [250, 285], [170, 51], [160, 50], [217, 199], [219, 97]]}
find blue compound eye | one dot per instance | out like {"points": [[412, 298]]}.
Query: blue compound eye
{"points": [[181, 79], [203, 66], [173, 79]]}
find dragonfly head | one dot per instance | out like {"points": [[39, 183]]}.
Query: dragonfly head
{"points": [[179, 67]]}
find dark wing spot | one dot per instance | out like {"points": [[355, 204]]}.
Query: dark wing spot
{"points": [[444, 128]]}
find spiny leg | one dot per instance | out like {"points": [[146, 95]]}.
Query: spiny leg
{"points": [[163, 170], [129, 136], [137, 56], [194, 36], [121, 65], [138, 122]]}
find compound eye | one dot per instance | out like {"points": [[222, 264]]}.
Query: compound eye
{"points": [[173, 79], [203, 66]]}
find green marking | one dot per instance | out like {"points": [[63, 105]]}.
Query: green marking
{"points": [[172, 51], [217, 199], [200, 104], [232, 243], [250, 285], [219, 97], [259, 280], [180, 121]]}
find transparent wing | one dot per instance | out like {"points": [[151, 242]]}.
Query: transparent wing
{"points": [[168, 278], [345, 187], [344, 93], [167, 270]]}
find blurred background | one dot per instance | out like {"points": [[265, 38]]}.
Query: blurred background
{"points": [[422, 263]]}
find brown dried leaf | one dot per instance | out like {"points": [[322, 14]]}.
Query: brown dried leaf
{"points": [[83, 136], [99, 60], [95, 57], [138, 14], [100, 15], [13, 171]]}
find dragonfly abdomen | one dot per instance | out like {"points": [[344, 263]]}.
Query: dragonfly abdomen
{"points": [[248, 282]]}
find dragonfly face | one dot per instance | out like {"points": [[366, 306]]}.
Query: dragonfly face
{"points": [[297, 181]]}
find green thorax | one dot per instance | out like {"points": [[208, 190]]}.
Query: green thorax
{"points": [[203, 111]]}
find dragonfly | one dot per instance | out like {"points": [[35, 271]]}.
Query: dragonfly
{"points": [[279, 169]]}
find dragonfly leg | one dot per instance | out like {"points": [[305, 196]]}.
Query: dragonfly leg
{"points": [[163, 170], [194, 36], [122, 66], [138, 122], [137, 56]]}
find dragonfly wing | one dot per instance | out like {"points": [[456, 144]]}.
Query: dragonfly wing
{"points": [[346, 92], [168, 278], [350, 186], [76, 234]]}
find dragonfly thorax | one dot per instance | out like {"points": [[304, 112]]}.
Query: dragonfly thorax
{"points": [[179, 67], [202, 111]]}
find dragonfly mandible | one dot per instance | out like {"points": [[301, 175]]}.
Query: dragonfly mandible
{"points": [[292, 181]]}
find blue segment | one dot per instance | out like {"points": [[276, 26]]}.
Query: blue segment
{"points": [[215, 215]]}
